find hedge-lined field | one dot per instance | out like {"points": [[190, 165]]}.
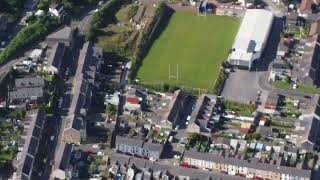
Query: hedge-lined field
{"points": [[197, 44]]}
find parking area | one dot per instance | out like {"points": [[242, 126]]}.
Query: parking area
{"points": [[242, 86]]}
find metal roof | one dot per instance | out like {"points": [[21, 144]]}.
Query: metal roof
{"points": [[252, 34]]}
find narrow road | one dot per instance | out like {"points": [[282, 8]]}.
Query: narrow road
{"points": [[277, 11], [264, 84]]}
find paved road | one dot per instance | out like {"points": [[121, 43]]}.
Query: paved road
{"points": [[278, 11], [83, 23], [264, 84]]}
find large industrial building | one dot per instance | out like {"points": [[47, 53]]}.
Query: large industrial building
{"points": [[251, 38]]}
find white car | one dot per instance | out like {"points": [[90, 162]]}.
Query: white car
{"points": [[51, 138], [96, 146], [100, 153], [66, 73]]}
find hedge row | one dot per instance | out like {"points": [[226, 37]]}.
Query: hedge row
{"points": [[217, 88], [148, 34], [103, 17], [28, 35]]}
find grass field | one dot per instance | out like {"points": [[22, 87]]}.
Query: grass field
{"points": [[300, 88], [197, 44]]}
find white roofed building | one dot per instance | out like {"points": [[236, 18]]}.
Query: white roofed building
{"points": [[251, 38]]}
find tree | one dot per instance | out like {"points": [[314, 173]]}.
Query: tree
{"points": [[111, 110], [109, 136], [29, 34], [44, 4]]}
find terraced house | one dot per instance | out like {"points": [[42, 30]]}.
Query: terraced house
{"points": [[84, 85], [138, 147], [244, 168]]}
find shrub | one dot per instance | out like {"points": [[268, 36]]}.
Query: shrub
{"points": [[103, 17], [28, 35]]}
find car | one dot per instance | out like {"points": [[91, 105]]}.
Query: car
{"points": [[66, 73], [294, 86], [96, 146], [188, 118], [51, 138], [100, 153], [307, 97]]}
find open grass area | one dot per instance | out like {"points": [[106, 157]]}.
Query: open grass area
{"points": [[300, 88], [119, 37], [194, 47], [240, 109]]}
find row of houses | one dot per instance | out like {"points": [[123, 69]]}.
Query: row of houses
{"points": [[307, 69], [27, 89], [83, 87], [205, 114], [28, 147], [61, 161], [243, 168], [131, 167], [171, 117], [139, 147], [307, 128]]}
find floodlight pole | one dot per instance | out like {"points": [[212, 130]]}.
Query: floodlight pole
{"points": [[177, 71], [169, 72]]}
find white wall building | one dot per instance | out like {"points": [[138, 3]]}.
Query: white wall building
{"points": [[251, 38]]}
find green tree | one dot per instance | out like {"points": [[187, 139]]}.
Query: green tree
{"points": [[111, 110]]}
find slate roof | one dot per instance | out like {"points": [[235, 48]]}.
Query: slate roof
{"points": [[129, 141], [29, 82], [153, 146], [74, 122], [26, 93], [155, 169], [24, 163], [264, 131], [174, 105], [62, 156], [55, 58], [244, 163], [61, 34], [273, 99], [84, 79]]}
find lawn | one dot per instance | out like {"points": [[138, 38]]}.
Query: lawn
{"points": [[300, 88], [239, 108], [192, 45]]}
